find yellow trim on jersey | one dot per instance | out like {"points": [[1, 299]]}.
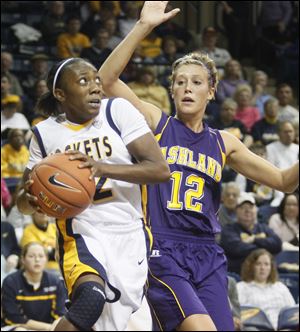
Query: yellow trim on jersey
{"points": [[36, 298], [157, 319], [149, 235], [72, 266], [158, 136], [171, 290], [77, 127], [223, 155], [144, 199]]}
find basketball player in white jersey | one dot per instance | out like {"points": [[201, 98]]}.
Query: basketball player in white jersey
{"points": [[102, 251]]}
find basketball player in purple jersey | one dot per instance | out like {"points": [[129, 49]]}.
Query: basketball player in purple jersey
{"points": [[188, 270]]}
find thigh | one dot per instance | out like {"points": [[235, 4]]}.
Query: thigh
{"points": [[171, 299], [213, 293]]}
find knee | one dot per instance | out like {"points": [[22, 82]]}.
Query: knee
{"points": [[86, 306]]}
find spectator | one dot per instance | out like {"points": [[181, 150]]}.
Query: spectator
{"points": [[285, 223], [272, 23], [260, 286], [151, 46], [39, 88], [287, 112], [31, 297], [227, 121], [14, 157], [127, 22], [220, 55], [11, 118], [97, 12], [265, 130], [6, 92], [72, 42], [246, 113], [42, 230], [239, 32], [147, 89], [53, 22], [99, 51], [163, 62], [6, 198], [181, 34], [6, 67], [10, 250], [111, 25], [259, 83], [283, 153], [227, 211], [241, 238], [232, 78], [262, 194], [235, 304], [39, 70]]}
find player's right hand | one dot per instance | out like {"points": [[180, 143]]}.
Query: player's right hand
{"points": [[31, 199]]}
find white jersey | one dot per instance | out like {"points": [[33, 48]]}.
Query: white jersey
{"points": [[104, 138]]}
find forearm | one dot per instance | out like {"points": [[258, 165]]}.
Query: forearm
{"points": [[141, 173], [290, 178], [119, 58], [36, 325]]}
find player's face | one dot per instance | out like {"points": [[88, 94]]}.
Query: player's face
{"points": [[35, 259], [262, 268], [191, 90], [82, 92]]}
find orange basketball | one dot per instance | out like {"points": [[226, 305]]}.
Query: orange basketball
{"points": [[63, 190]]}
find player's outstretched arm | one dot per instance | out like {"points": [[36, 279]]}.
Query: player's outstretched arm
{"points": [[152, 14], [258, 169]]}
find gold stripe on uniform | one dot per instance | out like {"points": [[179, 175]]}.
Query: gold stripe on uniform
{"points": [[72, 266], [36, 298], [158, 136], [171, 290]]}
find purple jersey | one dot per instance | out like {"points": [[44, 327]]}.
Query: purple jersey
{"points": [[190, 200]]}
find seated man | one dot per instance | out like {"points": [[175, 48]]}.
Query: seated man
{"points": [[241, 238]]}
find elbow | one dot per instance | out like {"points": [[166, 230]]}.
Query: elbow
{"points": [[163, 172]]}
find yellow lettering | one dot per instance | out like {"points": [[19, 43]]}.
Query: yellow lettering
{"points": [[172, 155], [182, 157], [211, 167], [191, 163], [201, 163]]}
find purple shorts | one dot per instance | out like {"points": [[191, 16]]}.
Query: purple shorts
{"points": [[187, 275]]}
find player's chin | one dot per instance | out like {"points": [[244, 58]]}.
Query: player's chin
{"points": [[93, 109]]}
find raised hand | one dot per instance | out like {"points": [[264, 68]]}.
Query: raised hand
{"points": [[153, 13]]}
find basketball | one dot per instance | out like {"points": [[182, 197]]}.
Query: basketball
{"points": [[63, 190]]}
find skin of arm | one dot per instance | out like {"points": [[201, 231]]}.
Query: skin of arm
{"points": [[36, 325], [151, 166], [258, 169], [153, 14]]}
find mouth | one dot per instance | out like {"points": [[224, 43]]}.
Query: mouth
{"points": [[187, 100], [94, 103]]}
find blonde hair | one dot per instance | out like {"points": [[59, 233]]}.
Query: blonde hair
{"points": [[241, 88], [229, 102], [200, 59]]}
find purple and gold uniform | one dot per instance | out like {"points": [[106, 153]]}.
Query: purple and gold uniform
{"points": [[188, 270]]}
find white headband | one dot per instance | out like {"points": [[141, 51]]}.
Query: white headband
{"points": [[57, 72]]}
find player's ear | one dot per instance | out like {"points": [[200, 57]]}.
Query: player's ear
{"points": [[59, 95]]}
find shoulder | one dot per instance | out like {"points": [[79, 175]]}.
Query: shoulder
{"points": [[11, 280]]}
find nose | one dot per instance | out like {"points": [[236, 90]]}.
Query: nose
{"points": [[96, 88], [188, 87]]}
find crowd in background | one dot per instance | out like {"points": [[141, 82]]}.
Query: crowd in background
{"points": [[259, 106]]}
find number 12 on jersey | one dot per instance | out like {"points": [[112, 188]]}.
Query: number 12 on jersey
{"points": [[191, 196]]}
